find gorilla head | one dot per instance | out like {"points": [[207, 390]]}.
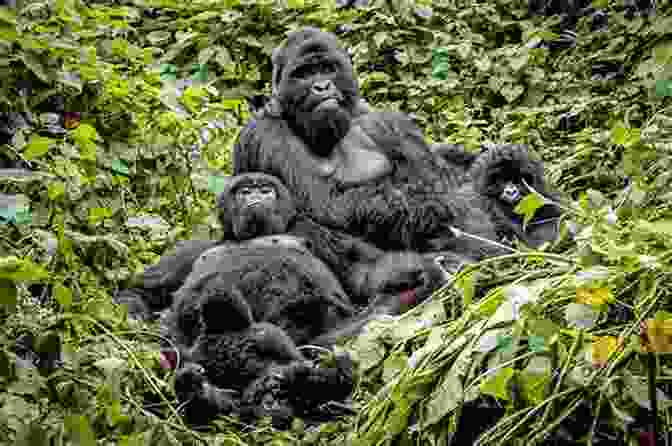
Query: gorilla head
{"points": [[316, 88], [253, 205]]}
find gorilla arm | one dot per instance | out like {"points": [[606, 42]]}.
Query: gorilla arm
{"points": [[152, 290]]}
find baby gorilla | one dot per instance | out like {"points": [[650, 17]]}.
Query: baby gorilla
{"points": [[259, 362]]}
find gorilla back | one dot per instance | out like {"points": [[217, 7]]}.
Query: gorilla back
{"points": [[283, 283]]}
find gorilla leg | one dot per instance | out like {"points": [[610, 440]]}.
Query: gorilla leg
{"points": [[398, 281]]}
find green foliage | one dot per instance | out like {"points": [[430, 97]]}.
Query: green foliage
{"points": [[147, 86]]}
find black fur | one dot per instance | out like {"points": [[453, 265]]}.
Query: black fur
{"points": [[266, 374], [380, 182]]}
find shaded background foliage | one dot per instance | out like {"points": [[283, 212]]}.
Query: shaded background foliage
{"points": [[151, 95]]}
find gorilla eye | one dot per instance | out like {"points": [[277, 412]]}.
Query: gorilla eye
{"points": [[308, 70], [266, 190], [244, 191]]}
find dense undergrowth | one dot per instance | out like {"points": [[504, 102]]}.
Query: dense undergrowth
{"points": [[150, 97]]}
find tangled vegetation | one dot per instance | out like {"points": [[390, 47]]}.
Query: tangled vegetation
{"points": [[133, 110]]}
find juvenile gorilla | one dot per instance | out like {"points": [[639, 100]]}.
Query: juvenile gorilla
{"points": [[371, 174], [263, 372], [261, 207]]}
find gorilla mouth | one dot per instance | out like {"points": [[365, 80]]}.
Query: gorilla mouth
{"points": [[328, 103]]}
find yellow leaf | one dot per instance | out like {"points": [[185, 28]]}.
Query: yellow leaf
{"points": [[593, 296], [603, 346], [658, 336]]}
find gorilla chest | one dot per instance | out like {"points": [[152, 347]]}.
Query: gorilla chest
{"points": [[354, 161]]}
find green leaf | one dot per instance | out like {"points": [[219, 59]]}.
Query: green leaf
{"points": [[661, 227], [199, 72], [505, 344], [97, 214], [34, 64], [8, 294], [56, 190], [80, 429], [528, 206], [63, 296], [536, 343], [109, 365], [158, 38], [533, 387], [168, 72], [8, 15], [498, 385], [581, 316], [394, 365], [467, 283], [37, 147], [19, 270], [120, 167], [663, 88]]}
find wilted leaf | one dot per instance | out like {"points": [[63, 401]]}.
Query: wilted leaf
{"points": [[602, 347]]}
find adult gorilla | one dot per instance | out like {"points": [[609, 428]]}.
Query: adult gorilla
{"points": [[371, 174]]}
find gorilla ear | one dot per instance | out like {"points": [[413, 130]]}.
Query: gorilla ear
{"points": [[273, 108]]}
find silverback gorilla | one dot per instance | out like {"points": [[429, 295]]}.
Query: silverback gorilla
{"points": [[371, 175]]}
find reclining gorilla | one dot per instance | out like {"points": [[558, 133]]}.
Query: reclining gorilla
{"points": [[371, 175], [267, 251]]}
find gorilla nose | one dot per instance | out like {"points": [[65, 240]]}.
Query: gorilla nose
{"points": [[322, 87]]}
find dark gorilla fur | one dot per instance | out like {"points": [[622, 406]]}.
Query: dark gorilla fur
{"points": [[151, 292], [399, 281], [290, 288], [266, 374], [379, 182]]}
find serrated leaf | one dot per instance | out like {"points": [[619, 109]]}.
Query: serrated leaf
{"points": [[37, 147]]}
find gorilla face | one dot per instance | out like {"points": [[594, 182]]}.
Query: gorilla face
{"points": [[316, 88], [254, 205]]}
